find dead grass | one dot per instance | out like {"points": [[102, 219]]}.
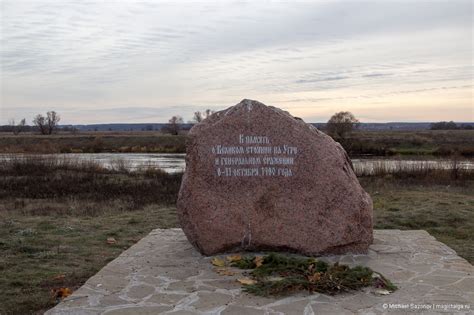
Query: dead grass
{"points": [[126, 142], [385, 142], [445, 211], [40, 253], [81, 186], [421, 142], [55, 219], [430, 172]]}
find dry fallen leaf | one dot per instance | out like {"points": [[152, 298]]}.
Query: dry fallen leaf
{"points": [[65, 292], [233, 258], [61, 293], [225, 272], [219, 262], [314, 277], [111, 240], [246, 281], [258, 261]]}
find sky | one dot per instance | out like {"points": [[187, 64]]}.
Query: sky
{"points": [[145, 61]]}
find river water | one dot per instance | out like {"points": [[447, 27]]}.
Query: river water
{"points": [[173, 163]]}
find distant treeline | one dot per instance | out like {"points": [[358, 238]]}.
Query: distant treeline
{"points": [[98, 127], [27, 128], [186, 126], [450, 125], [402, 126], [16, 129]]}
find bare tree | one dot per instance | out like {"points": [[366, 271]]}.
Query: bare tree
{"points": [[200, 116], [341, 124], [40, 122], [47, 124], [52, 119], [208, 113], [197, 118], [174, 125]]}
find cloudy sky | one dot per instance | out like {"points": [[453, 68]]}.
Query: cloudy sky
{"points": [[144, 61]]}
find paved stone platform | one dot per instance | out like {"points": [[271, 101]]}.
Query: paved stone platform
{"points": [[164, 274]]}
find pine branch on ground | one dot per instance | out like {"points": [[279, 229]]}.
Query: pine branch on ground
{"points": [[277, 274]]}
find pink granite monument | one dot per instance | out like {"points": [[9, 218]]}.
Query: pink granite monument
{"points": [[258, 178]]}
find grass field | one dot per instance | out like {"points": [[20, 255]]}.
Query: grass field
{"points": [[56, 218], [40, 253], [93, 142], [445, 211], [422, 142], [387, 142]]}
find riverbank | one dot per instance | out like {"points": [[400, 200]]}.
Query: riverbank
{"points": [[378, 143], [420, 142], [397, 166], [61, 222], [93, 142]]}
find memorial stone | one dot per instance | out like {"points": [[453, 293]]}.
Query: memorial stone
{"points": [[258, 178]]}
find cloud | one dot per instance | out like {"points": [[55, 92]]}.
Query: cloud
{"points": [[375, 75], [323, 79], [101, 55]]}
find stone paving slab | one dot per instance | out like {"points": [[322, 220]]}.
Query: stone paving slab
{"points": [[164, 274]]}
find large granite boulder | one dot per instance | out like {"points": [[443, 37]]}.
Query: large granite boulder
{"points": [[258, 178]]}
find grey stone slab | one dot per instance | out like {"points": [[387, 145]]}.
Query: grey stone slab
{"points": [[164, 274], [240, 310], [166, 299], [297, 307], [207, 301], [138, 310]]}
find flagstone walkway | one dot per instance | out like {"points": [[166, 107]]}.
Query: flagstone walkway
{"points": [[164, 274]]}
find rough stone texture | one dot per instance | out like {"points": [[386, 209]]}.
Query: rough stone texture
{"points": [[313, 206], [184, 282]]}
